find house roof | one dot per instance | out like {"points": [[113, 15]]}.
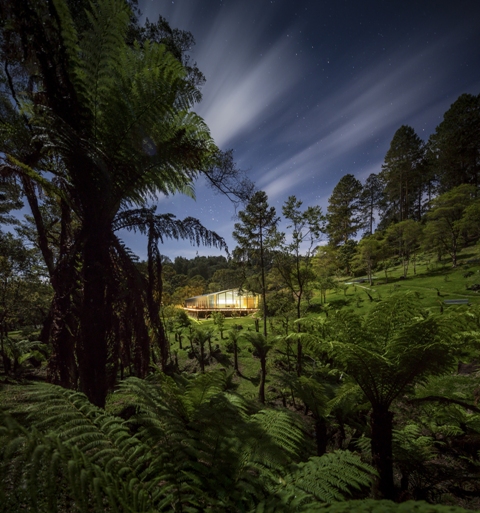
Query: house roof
{"points": [[220, 292]]}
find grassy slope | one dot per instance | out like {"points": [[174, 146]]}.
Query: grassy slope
{"points": [[434, 282]]}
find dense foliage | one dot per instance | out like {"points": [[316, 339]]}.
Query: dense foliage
{"points": [[336, 397]]}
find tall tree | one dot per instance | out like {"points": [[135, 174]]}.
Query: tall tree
{"points": [[455, 145], [294, 260], [117, 119], [401, 173], [343, 210], [404, 240], [445, 227], [370, 201], [470, 223], [298, 246], [367, 255], [256, 235]]}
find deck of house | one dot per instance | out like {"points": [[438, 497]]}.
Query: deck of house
{"points": [[203, 312]]}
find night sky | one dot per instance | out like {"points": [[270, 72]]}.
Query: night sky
{"points": [[306, 91]]}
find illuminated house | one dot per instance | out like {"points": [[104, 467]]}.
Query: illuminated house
{"points": [[229, 302]]}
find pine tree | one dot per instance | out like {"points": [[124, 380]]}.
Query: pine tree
{"points": [[404, 240], [401, 174], [370, 201], [343, 210], [445, 227], [455, 145], [256, 235]]}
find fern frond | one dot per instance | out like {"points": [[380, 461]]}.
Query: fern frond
{"points": [[346, 392], [331, 477], [92, 450]]}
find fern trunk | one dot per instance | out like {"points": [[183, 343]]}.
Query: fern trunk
{"points": [[61, 326], [202, 355], [321, 436], [5, 359], [62, 367], [92, 350], [263, 375], [235, 356], [299, 357], [381, 421]]}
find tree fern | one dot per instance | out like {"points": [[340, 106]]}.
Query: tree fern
{"points": [[231, 449], [117, 118], [396, 346]]}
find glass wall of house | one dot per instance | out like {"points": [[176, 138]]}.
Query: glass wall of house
{"points": [[232, 298]]}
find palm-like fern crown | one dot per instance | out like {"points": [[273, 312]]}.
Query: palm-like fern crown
{"points": [[394, 347], [131, 134], [260, 343]]}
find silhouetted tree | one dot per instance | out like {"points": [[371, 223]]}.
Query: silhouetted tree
{"points": [[343, 211], [400, 173], [455, 145], [256, 235], [370, 201]]}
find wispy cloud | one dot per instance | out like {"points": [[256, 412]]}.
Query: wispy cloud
{"points": [[299, 121], [361, 116], [244, 85]]}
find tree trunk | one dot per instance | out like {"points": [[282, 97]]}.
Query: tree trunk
{"points": [[381, 421], [202, 355], [321, 436], [264, 286], [154, 299], [289, 365], [62, 366], [453, 252], [42, 238], [5, 359], [95, 315], [61, 326], [299, 310], [235, 356], [299, 357], [263, 374]]}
